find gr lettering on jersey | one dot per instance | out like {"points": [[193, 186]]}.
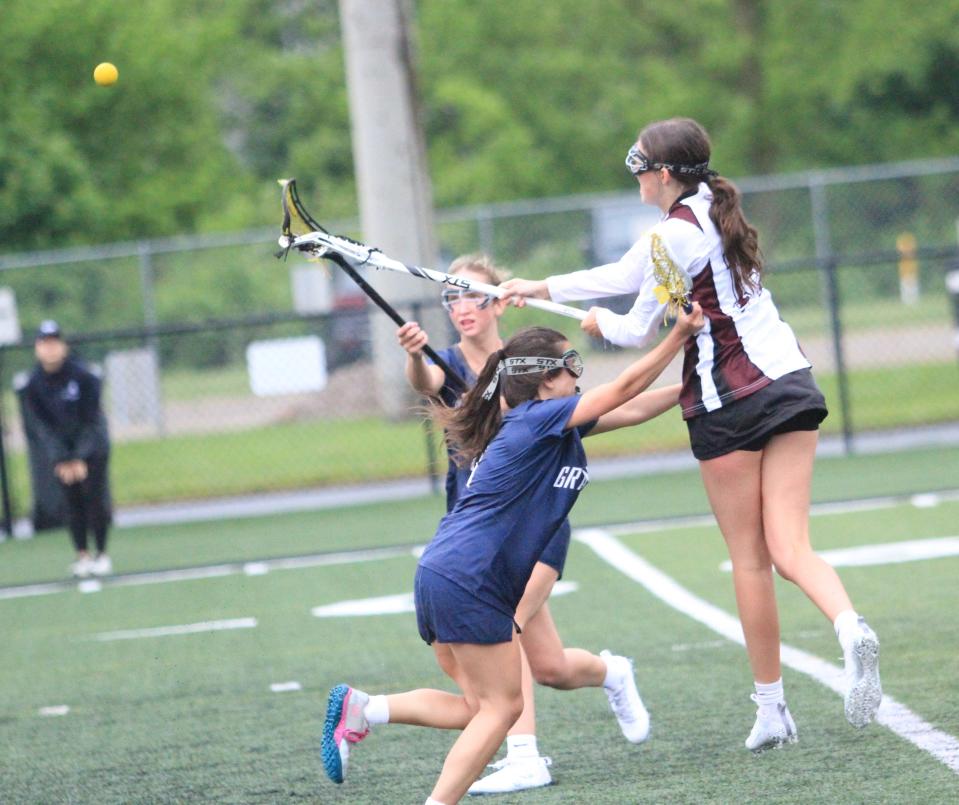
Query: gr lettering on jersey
{"points": [[572, 478]]}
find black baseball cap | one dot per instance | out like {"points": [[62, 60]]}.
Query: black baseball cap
{"points": [[49, 329]]}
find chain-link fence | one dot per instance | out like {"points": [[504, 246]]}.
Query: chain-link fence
{"points": [[231, 407], [210, 391]]}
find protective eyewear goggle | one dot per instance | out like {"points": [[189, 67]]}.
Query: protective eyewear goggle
{"points": [[570, 360], [637, 162], [459, 296]]}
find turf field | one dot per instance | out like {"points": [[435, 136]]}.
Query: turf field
{"points": [[187, 717]]}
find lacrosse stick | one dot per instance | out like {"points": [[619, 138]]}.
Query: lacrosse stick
{"points": [[321, 244], [295, 217], [675, 283]]}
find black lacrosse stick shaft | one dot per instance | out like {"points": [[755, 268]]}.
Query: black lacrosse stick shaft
{"points": [[390, 311]]}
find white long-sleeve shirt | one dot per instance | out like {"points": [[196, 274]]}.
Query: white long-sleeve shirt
{"points": [[744, 346]]}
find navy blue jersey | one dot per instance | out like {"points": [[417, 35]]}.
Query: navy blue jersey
{"points": [[517, 496], [65, 411], [456, 477]]}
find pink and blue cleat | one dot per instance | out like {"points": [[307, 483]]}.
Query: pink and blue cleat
{"points": [[345, 724]]}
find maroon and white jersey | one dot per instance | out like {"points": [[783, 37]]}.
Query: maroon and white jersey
{"points": [[744, 346]]}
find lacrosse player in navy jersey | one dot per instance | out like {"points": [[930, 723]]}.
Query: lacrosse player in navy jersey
{"points": [[475, 317], [519, 429], [749, 399]]}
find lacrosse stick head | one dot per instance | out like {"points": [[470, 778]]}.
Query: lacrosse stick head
{"points": [[296, 220], [675, 284]]}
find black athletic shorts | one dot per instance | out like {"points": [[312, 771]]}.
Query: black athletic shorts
{"points": [[792, 402]]}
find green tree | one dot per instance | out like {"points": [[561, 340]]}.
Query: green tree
{"points": [[81, 163]]}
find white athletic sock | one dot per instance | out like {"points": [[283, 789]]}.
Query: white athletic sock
{"points": [[845, 620], [769, 695], [614, 672], [377, 710], [431, 801], [521, 746]]}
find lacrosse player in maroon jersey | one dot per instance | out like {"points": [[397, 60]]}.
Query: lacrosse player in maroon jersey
{"points": [[749, 400]]}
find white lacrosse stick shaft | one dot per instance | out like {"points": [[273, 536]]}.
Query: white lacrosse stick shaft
{"points": [[320, 242]]}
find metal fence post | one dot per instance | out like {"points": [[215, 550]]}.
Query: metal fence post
{"points": [[827, 264], [7, 516]]}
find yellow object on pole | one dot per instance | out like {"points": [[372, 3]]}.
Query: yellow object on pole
{"points": [[908, 268]]}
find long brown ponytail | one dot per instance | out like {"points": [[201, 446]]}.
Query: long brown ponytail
{"points": [[682, 141], [740, 239], [472, 425]]}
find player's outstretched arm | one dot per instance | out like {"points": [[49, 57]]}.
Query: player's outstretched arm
{"points": [[425, 378], [638, 375], [642, 408], [517, 290]]}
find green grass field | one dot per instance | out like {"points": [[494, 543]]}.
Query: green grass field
{"points": [[191, 718]]}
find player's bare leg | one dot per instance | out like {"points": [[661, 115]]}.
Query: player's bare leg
{"points": [[733, 484], [572, 668], [787, 479], [523, 767], [492, 673], [787, 468]]}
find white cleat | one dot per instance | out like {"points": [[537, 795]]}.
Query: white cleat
{"points": [[624, 699], [101, 566], [82, 568], [514, 774], [772, 728], [864, 692]]}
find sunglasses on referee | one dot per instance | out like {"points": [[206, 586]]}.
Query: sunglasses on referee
{"points": [[476, 300]]}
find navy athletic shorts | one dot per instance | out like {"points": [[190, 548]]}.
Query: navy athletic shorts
{"points": [[554, 554], [447, 613], [791, 402]]}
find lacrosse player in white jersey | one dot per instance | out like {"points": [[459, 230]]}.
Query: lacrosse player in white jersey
{"points": [[749, 400]]}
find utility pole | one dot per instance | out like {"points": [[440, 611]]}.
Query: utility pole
{"points": [[392, 177]]}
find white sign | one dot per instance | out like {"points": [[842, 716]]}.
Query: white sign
{"points": [[286, 365], [9, 321]]}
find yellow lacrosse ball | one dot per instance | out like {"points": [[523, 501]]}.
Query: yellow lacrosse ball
{"points": [[106, 74]]}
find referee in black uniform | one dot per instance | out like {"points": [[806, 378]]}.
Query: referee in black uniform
{"points": [[64, 398]]}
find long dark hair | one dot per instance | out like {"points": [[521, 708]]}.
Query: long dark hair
{"points": [[682, 141], [475, 421]]}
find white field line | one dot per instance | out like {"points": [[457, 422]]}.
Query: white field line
{"points": [[885, 553], [187, 628], [396, 604], [897, 717], [210, 571]]}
